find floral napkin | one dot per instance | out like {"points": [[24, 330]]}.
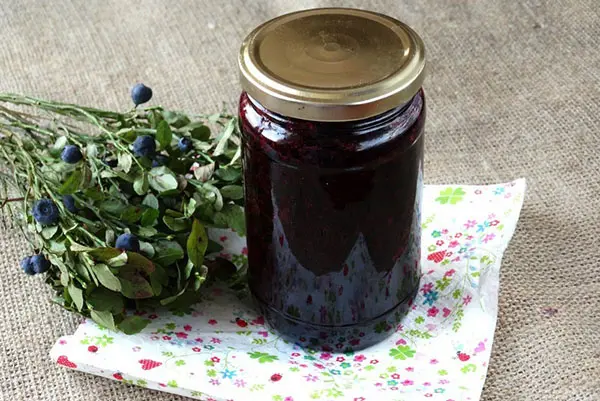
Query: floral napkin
{"points": [[221, 350]]}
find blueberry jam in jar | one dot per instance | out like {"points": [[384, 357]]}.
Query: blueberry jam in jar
{"points": [[332, 117]]}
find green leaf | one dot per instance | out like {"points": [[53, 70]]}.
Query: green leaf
{"points": [[162, 179], [197, 243], [228, 173], [124, 161], [146, 232], [56, 247], [104, 319], [76, 295], [132, 214], [119, 260], [234, 192], [48, 232], [113, 206], [150, 201], [102, 299], [176, 224], [177, 120], [402, 352], [141, 184], [133, 324], [263, 357], [134, 286], [147, 249], [58, 146], [224, 139], [167, 252], [104, 254], [164, 134], [232, 216], [149, 217], [72, 184], [139, 262], [93, 194], [106, 277], [155, 118], [171, 299], [201, 133]]}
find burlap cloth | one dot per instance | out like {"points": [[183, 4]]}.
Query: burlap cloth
{"points": [[513, 91]]}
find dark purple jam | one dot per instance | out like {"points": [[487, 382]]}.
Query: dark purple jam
{"points": [[333, 219]]}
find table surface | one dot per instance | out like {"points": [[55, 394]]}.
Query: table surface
{"points": [[513, 91]]}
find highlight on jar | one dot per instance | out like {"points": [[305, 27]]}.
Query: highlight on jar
{"points": [[332, 115]]}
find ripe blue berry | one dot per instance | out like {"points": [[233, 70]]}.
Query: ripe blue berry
{"points": [[140, 93], [71, 154], [27, 266], [128, 242], [40, 264], [144, 146], [185, 145], [160, 160], [45, 212], [69, 203]]}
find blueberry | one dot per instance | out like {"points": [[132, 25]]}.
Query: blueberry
{"points": [[144, 146], [185, 144], [69, 203], [128, 242], [40, 264], [27, 266], [45, 212], [71, 154], [160, 160], [140, 93]]}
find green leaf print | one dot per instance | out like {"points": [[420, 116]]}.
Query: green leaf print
{"points": [[172, 384], [294, 369], [443, 372], [468, 368], [391, 369], [315, 395], [141, 383], [277, 398], [208, 362], [456, 294], [334, 392], [419, 334], [419, 320], [450, 196], [381, 327], [369, 367], [170, 326], [257, 387], [167, 354], [262, 357], [180, 362], [443, 283], [402, 352], [211, 373]]}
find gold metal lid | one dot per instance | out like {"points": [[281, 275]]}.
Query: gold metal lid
{"points": [[332, 64]]}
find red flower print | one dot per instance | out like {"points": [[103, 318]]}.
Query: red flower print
{"points": [[427, 384], [241, 322], [449, 273], [374, 362], [215, 359], [92, 348], [199, 340], [345, 271], [303, 366], [469, 238], [446, 312], [453, 244], [245, 251], [361, 334], [354, 342], [223, 238], [410, 369], [341, 290], [359, 399], [118, 376], [224, 255], [434, 362], [401, 341], [359, 358], [463, 357], [433, 311], [494, 223], [295, 354], [395, 376], [448, 254], [152, 316], [196, 349], [428, 395], [427, 288], [467, 300], [212, 322], [288, 398], [62, 342], [276, 377], [325, 355], [215, 340], [340, 359], [488, 237], [439, 242], [457, 235], [445, 231], [187, 327], [258, 321], [281, 240], [319, 366], [399, 328], [407, 383], [181, 334], [166, 338], [378, 384]]}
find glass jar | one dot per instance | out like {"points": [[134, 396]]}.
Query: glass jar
{"points": [[332, 118]]}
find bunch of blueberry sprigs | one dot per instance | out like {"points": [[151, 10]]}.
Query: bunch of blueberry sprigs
{"points": [[118, 207]]}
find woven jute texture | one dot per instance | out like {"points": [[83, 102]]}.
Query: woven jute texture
{"points": [[513, 91]]}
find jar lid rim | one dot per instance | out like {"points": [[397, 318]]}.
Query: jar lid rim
{"points": [[332, 64]]}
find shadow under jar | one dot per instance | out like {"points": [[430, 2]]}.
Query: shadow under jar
{"points": [[332, 118]]}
